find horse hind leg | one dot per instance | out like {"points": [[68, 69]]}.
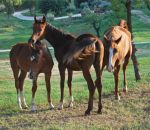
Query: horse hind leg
{"points": [[91, 88], [21, 82], [15, 70], [62, 80], [71, 99], [48, 87], [34, 88], [98, 84]]}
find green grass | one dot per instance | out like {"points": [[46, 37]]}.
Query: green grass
{"points": [[130, 113], [14, 30]]}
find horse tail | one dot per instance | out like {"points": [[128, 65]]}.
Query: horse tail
{"points": [[14, 52], [81, 49], [11, 53]]}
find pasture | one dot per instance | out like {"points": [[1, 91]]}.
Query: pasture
{"points": [[131, 112]]}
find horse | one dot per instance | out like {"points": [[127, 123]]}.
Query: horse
{"points": [[74, 54], [21, 64], [118, 50]]}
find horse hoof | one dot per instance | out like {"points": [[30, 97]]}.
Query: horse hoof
{"points": [[87, 113], [70, 104], [25, 107], [51, 108], [60, 108], [33, 111], [99, 112], [117, 97], [125, 90]]}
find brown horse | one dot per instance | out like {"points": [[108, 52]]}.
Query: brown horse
{"points": [[75, 54], [118, 49], [21, 64]]}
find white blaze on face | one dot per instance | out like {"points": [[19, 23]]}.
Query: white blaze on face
{"points": [[111, 50]]}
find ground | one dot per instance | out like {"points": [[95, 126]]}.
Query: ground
{"points": [[132, 111]]}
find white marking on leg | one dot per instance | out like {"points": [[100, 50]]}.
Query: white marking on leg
{"points": [[51, 106], [110, 59], [32, 105], [23, 101], [117, 97], [71, 101], [125, 89], [61, 105], [19, 100]]}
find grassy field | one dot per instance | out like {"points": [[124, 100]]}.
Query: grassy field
{"points": [[131, 112], [14, 30]]}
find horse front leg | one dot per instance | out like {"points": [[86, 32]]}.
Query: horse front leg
{"points": [[116, 77], [70, 73], [21, 82], [34, 88], [91, 88], [48, 87], [124, 74], [62, 80]]}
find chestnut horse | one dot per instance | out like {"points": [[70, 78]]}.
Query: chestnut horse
{"points": [[21, 64], [73, 54], [118, 50]]}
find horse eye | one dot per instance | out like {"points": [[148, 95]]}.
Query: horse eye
{"points": [[115, 50]]}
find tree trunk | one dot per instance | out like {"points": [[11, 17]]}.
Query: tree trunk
{"points": [[97, 29], [133, 57]]}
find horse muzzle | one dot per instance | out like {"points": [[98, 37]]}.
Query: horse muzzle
{"points": [[110, 68]]}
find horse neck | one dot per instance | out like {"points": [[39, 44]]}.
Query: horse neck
{"points": [[57, 38]]}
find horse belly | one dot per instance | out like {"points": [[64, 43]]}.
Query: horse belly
{"points": [[77, 65]]}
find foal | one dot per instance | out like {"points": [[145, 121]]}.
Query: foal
{"points": [[20, 63]]}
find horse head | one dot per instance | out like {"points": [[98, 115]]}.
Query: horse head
{"points": [[39, 29], [112, 38]]}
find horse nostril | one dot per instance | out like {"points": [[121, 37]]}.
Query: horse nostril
{"points": [[112, 67], [32, 41]]}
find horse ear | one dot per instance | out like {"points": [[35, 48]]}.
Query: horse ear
{"points": [[118, 40], [35, 20], [44, 19]]}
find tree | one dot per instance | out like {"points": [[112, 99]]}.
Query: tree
{"points": [[8, 7], [147, 3], [78, 2], [95, 20], [133, 57], [118, 6], [29, 4], [44, 6], [17, 3], [55, 6]]}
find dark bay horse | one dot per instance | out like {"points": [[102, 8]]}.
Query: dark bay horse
{"points": [[73, 54], [118, 50], [21, 64]]}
